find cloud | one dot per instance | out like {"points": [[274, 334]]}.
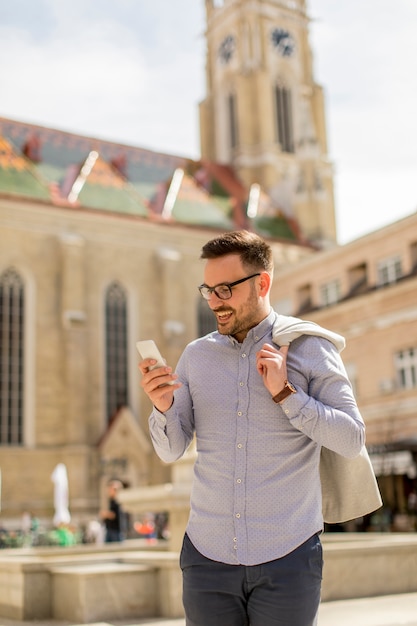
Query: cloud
{"points": [[364, 57], [71, 76], [93, 74]]}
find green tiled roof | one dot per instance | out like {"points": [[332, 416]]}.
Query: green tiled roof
{"points": [[18, 175], [61, 149], [111, 199], [224, 204], [128, 180], [193, 205], [105, 188], [200, 213], [274, 226], [145, 190], [49, 172]]}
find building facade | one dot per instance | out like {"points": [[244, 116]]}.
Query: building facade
{"points": [[366, 290]]}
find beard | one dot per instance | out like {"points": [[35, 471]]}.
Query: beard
{"points": [[238, 321]]}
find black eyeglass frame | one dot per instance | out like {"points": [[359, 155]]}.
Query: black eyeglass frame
{"points": [[206, 291]]}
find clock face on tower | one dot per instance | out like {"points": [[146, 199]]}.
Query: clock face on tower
{"points": [[227, 48], [283, 42]]}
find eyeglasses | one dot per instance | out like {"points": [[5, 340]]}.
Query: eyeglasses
{"points": [[223, 290]]}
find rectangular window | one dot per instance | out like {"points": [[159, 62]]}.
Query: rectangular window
{"points": [[358, 279], [389, 271], [413, 253], [330, 293], [305, 299], [406, 368]]}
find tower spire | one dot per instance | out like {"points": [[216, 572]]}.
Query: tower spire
{"points": [[263, 113]]}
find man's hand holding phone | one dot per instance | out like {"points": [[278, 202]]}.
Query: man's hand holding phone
{"points": [[158, 380]]}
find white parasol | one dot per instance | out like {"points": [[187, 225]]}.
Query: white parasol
{"points": [[60, 479]]}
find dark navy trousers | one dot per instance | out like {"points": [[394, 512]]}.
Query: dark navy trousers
{"points": [[283, 592]]}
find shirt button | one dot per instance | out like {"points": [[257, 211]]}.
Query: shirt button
{"points": [[235, 547], [286, 411], [239, 480], [238, 515], [240, 384], [234, 539], [239, 413], [243, 355], [239, 445]]}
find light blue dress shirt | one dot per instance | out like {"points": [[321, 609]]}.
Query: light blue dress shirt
{"points": [[256, 494]]}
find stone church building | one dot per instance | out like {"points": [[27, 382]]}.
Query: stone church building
{"points": [[100, 244]]}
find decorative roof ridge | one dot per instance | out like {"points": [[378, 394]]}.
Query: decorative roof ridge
{"points": [[96, 139]]}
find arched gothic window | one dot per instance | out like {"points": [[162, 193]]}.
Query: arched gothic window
{"points": [[12, 312], [283, 107], [116, 349], [231, 105]]}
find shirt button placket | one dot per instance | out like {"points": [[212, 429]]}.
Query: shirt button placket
{"points": [[240, 464]]}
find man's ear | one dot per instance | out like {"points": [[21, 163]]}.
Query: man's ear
{"points": [[264, 283]]}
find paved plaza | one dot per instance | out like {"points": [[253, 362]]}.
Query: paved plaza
{"points": [[395, 610]]}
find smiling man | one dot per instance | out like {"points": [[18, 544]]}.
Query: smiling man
{"points": [[261, 413]]}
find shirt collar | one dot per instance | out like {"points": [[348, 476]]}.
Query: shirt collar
{"points": [[259, 331]]}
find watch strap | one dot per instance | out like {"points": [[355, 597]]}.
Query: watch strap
{"points": [[285, 392]]}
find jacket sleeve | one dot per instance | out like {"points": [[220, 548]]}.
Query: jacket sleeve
{"points": [[324, 407]]}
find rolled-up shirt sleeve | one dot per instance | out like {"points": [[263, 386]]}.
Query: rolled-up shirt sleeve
{"points": [[172, 432]]}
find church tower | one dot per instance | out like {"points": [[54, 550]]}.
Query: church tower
{"points": [[263, 113]]}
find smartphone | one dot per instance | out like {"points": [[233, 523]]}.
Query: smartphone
{"points": [[149, 350]]}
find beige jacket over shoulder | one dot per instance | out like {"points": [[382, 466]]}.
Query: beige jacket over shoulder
{"points": [[349, 486]]}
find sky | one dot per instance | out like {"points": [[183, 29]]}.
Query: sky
{"points": [[133, 71]]}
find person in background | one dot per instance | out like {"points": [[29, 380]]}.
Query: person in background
{"points": [[261, 412], [146, 527], [113, 516]]}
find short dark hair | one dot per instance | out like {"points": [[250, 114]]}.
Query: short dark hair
{"points": [[254, 252]]}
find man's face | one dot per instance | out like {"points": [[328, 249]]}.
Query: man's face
{"points": [[248, 305], [113, 489]]}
